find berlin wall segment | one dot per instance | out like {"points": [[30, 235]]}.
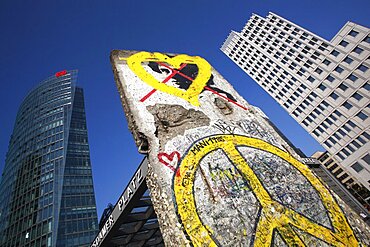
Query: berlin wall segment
{"points": [[219, 175]]}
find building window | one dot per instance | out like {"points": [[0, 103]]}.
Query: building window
{"points": [[367, 39], [345, 151], [366, 158], [305, 102], [334, 96], [363, 68], [366, 135], [352, 77], [343, 43], [316, 55], [329, 122], [362, 115], [322, 48], [308, 64], [346, 128], [335, 53], [357, 96], [331, 139], [353, 33], [357, 167], [340, 155], [311, 79], [318, 71], [322, 87], [361, 140], [348, 60], [344, 176], [339, 69], [343, 87], [313, 95], [350, 123], [347, 105], [316, 133], [320, 129], [330, 162], [356, 144], [326, 62], [366, 86], [340, 170], [330, 78], [358, 50], [336, 112], [327, 144]]}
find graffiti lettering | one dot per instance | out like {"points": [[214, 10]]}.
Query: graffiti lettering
{"points": [[224, 127], [192, 138], [249, 127], [204, 143]]}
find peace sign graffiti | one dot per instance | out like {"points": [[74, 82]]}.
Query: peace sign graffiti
{"points": [[274, 216]]}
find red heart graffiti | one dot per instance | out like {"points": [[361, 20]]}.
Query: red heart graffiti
{"points": [[168, 159]]}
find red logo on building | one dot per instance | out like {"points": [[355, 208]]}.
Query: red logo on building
{"points": [[60, 73]]}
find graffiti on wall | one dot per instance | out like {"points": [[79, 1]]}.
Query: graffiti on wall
{"points": [[273, 215], [190, 76], [220, 175]]}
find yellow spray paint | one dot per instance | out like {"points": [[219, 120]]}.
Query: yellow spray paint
{"points": [[274, 216], [192, 93]]}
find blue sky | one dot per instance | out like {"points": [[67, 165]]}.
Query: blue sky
{"points": [[39, 38]]}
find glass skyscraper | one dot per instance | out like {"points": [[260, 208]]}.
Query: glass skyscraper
{"points": [[46, 189]]}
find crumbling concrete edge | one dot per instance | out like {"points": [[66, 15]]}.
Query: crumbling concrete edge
{"points": [[140, 139]]}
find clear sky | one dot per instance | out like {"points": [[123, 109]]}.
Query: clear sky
{"points": [[39, 38]]}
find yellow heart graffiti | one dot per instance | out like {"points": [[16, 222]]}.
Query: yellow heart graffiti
{"points": [[274, 216], [135, 61]]}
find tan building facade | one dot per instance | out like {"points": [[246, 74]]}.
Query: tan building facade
{"points": [[324, 85]]}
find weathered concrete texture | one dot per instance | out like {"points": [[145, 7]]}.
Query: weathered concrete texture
{"points": [[219, 174], [173, 120]]}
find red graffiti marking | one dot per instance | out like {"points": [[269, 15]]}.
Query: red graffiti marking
{"points": [[230, 100], [178, 174], [175, 71], [168, 159]]}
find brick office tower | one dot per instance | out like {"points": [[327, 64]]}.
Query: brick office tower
{"points": [[324, 85], [46, 191]]}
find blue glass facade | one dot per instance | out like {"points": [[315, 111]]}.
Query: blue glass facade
{"points": [[46, 189]]}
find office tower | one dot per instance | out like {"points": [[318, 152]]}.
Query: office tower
{"points": [[357, 190], [324, 85], [46, 191]]}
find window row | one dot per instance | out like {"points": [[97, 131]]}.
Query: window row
{"points": [[353, 146]]}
